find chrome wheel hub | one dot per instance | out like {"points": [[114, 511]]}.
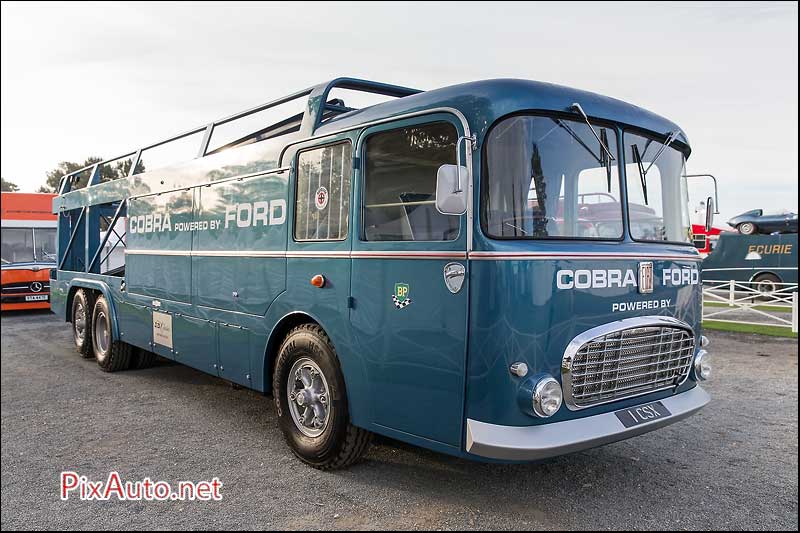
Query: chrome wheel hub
{"points": [[307, 392], [102, 337], [766, 287]]}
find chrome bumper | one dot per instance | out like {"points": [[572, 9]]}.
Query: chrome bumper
{"points": [[548, 440]]}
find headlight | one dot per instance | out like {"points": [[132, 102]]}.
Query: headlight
{"points": [[704, 341], [702, 367], [547, 397]]}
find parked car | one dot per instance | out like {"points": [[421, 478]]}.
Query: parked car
{"points": [[756, 221]]}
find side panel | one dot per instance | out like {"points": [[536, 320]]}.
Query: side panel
{"points": [[234, 353], [788, 259], [161, 225], [135, 324], [195, 342], [239, 244]]}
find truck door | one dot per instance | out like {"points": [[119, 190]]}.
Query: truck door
{"points": [[409, 326]]}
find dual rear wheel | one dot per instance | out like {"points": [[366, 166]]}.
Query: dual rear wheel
{"points": [[91, 332]]}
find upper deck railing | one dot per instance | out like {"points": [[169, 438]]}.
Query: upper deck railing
{"points": [[318, 106]]}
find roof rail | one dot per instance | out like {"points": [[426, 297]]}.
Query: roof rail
{"points": [[316, 109]]}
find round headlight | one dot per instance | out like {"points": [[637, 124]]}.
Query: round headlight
{"points": [[704, 341], [547, 397], [702, 366]]}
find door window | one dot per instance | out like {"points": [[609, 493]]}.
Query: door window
{"points": [[400, 184], [323, 193]]}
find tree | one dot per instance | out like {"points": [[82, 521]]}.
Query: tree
{"points": [[108, 172], [7, 186]]}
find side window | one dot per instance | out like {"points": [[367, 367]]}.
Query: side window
{"points": [[400, 184], [323, 193]]}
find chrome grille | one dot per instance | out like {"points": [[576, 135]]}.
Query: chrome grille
{"points": [[627, 362]]}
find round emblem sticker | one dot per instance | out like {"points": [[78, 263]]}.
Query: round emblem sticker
{"points": [[321, 198]]}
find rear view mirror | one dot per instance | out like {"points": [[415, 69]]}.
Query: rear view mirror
{"points": [[451, 183], [709, 214]]}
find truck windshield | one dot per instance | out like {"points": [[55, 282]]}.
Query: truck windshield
{"points": [[45, 240], [26, 245], [657, 193], [549, 177], [17, 245]]}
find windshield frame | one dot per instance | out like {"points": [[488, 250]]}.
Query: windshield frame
{"points": [[677, 145], [555, 115], [622, 161]]}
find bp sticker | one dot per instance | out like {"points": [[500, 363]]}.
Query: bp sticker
{"points": [[401, 296], [321, 198]]}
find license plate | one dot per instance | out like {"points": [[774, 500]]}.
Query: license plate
{"points": [[36, 298], [642, 414]]}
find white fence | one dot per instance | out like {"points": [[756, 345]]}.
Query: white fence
{"points": [[743, 303]]}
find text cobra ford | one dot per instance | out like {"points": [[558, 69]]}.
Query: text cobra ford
{"points": [[501, 270]]}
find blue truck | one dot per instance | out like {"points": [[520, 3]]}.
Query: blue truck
{"points": [[500, 270]]}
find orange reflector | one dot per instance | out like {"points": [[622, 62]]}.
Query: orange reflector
{"points": [[318, 281]]}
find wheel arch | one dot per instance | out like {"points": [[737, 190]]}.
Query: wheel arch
{"points": [[98, 286], [752, 223], [763, 272], [276, 336]]}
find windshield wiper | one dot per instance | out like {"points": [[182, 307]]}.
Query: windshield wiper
{"points": [[577, 138], [605, 155], [672, 136], [577, 107], [604, 160], [637, 157]]}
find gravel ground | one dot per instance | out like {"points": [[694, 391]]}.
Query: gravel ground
{"points": [[732, 466]]}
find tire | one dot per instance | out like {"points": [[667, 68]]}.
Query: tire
{"points": [[766, 285], [82, 305], [328, 442], [111, 355], [141, 358], [747, 228]]}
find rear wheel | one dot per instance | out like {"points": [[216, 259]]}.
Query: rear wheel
{"points": [[746, 228], [111, 355], [766, 284], [311, 402], [82, 304]]}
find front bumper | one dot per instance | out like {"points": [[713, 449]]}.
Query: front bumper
{"points": [[531, 443]]}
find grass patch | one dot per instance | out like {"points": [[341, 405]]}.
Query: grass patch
{"points": [[772, 308], [774, 331]]}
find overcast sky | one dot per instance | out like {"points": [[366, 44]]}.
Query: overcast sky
{"points": [[101, 79]]}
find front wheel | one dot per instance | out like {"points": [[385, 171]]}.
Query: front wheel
{"points": [[311, 402], [747, 228]]}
